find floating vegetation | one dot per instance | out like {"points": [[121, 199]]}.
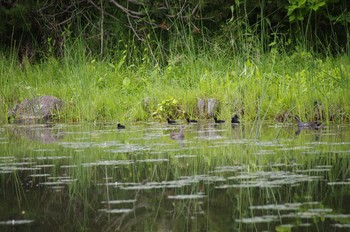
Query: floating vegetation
{"points": [[108, 163], [313, 170], [310, 213], [152, 160], [77, 145], [337, 216], [7, 158], [268, 144], [279, 165], [262, 219], [40, 175], [265, 152], [228, 169], [60, 180], [185, 156], [153, 185], [109, 144], [236, 141], [337, 225], [44, 150], [321, 210], [52, 183], [16, 222], [44, 166], [187, 197], [287, 227], [286, 206], [242, 177], [129, 148], [139, 177], [268, 179], [15, 168], [5, 171], [116, 211], [52, 157], [339, 183], [69, 166], [150, 136], [205, 178], [210, 137], [295, 148], [115, 202]]}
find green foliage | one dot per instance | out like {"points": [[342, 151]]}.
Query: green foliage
{"points": [[152, 32], [270, 86], [169, 108], [298, 9]]}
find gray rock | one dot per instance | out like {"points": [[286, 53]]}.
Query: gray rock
{"points": [[201, 107], [212, 107], [207, 108], [36, 109]]}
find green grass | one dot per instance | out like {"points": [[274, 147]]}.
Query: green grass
{"points": [[262, 87]]}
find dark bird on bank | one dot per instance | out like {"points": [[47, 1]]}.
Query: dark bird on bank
{"points": [[120, 126], [312, 125], [170, 121], [234, 119], [191, 120], [179, 135], [218, 120]]}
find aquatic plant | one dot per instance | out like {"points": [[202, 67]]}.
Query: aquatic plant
{"points": [[262, 87]]}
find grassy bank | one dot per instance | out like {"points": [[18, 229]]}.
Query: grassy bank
{"points": [[261, 87]]}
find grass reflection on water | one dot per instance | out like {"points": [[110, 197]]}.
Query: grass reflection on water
{"points": [[217, 178]]}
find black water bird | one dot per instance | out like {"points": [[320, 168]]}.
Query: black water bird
{"points": [[312, 125], [191, 120], [170, 121], [179, 135], [120, 126], [218, 120], [234, 119]]}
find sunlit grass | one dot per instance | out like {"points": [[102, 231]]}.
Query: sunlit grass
{"points": [[257, 89]]}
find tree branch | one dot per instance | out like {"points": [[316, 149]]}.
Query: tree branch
{"points": [[129, 12]]}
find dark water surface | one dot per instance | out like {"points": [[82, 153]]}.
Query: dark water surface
{"points": [[93, 177]]}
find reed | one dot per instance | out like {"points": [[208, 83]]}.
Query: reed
{"points": [[258, 88]]}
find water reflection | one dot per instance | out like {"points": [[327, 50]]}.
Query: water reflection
{"points": [[218, 178], [45, 133], [209, 131], [317, 134]]}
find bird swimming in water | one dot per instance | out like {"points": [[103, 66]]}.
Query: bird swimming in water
{"points": [[218, 120], [170, 121], [120, 126], [234, 119], [191, 120], [179, 135], [312, 125]]}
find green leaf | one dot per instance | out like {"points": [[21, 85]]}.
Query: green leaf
{"points": [[272, 44], [317, 5]]}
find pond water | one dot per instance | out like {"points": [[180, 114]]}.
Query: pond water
{"points": [[249, 177]]}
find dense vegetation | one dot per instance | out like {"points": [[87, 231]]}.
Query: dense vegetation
{"points": [[130, 59]]}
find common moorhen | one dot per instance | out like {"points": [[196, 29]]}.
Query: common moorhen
{"points": [[218, 120], [312, 125], [120, 126], [234, 119], [170, 121], [191, 120], [179, 135]]}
